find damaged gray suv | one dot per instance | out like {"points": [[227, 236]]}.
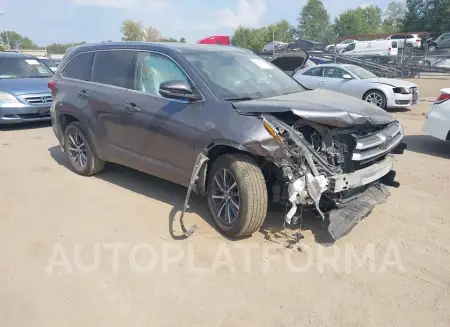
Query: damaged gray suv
{"points": [[229, 125]]}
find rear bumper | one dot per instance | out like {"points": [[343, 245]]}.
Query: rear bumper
{"points": [[21, 113]]}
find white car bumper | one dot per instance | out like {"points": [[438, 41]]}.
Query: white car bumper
{"points": [[437, 122]]}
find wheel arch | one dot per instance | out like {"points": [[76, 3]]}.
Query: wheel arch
{"points": [[213, 151], [66, 118]]}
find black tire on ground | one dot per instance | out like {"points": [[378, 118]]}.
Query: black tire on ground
{"points": [[378, 93], [252, 194], [93, 164], [405, 73], [432, 48], [427, 63], [331, 49]]}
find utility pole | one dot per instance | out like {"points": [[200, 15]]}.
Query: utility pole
{"points": [[6, 32]]}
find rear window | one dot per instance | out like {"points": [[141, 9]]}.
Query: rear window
{"points": [[113, 68], [79, 67]]}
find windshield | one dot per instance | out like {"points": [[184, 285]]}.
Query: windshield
{"points": [[48, 62], [23, 68], [240, 75], [360, 72]]}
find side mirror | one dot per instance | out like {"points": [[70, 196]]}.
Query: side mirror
{"points": [[347, 76], [178, 90]]}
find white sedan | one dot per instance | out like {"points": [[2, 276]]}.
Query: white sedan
{"points": [[437, 122], [360, 83]]}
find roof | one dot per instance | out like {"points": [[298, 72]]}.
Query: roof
{"points": [[7, 54], [175, 46], [335, 65]]}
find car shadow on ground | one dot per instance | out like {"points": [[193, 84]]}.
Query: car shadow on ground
{"points": [[174, 195], [427, 145], [23, 126], [398, 110]]}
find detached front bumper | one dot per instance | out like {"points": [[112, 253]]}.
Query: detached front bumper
{"points": [[22, 113]]}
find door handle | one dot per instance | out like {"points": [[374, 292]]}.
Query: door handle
{"points": [[131, 107], [321, 82], [83, 94]]}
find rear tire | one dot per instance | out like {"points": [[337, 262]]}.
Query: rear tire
{"points": [[80, 152], [376, 97], [237, 195]]}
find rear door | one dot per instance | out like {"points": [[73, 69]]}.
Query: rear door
{"points": [[108, 95], [444, 41]]}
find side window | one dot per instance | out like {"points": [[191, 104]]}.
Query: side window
{"points": [[113, 68], [79, 67], [314, 72], [152, 70], [350, 47], [333, 72]]}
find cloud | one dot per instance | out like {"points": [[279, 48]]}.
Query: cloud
{"points": [[248, 13]]}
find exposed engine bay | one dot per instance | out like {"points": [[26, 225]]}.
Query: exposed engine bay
{"points": [[340, 172]]}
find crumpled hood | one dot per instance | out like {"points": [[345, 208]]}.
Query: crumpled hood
{"points": [[390, 81], [20, 86], [319, 106]]}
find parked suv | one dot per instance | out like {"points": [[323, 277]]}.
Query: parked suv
{"points": [[406, 40], [163, 108]]}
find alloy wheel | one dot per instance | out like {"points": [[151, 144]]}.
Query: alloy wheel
{"points": [[375, 98], [77, 150], [225, 196]]}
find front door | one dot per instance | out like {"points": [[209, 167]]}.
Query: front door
{"points": [[160, 132], [333, 77]]}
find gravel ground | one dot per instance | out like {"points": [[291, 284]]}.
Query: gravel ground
{"points": [[59, 233]]}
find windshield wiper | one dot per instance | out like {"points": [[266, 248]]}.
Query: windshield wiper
{"points": [[239, 99], [38, 76]]}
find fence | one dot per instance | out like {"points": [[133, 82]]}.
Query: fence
{"points": [[406, 64]]}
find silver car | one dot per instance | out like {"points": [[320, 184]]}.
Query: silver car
{"points": [[360, 83]]}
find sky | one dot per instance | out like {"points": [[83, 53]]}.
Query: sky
{"points": [[64, 21]]}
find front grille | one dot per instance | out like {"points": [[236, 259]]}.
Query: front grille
{"points": [[371, 147], [38, 99]]}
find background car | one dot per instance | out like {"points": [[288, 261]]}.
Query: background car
{"points": [[24, 95], [437, 122], [275, 46], [339, 46], [406, 40], [361, 83], [441, 43], [49, 63]]}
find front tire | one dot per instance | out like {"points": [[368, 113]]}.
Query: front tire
{"points": [[237, 195], [79, 151], [376, 97]]}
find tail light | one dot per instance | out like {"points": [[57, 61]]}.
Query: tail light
{"points": [[444, 96], [51, 84], [389, 51]]}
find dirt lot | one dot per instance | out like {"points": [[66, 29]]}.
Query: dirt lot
{"points": [[57, 232]]}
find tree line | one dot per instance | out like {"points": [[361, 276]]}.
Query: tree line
{"points": [[314, 23]]}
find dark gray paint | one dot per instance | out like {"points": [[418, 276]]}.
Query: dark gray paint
{"points": [[164, 136]]}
